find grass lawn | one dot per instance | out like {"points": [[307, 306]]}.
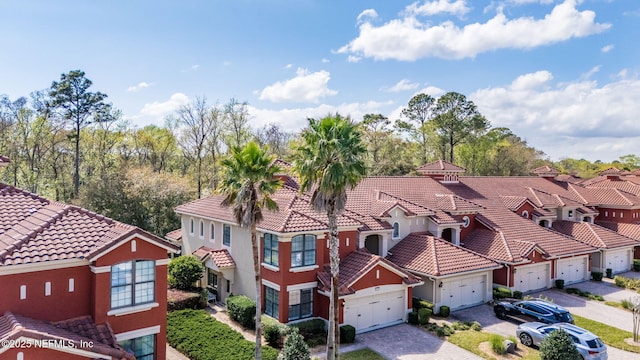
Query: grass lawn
{"points": [[362, 354], [470, 340], [610, 335]]}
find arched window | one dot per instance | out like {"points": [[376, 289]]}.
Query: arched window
{"points": [[525, 214], [466, 221], [212, 232], [191, 229], [201, 229], [396, 230]]}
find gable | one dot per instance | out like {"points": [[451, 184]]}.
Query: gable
{"points": [[376, 276], [134, 247]]}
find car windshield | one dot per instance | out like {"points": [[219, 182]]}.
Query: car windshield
{"points": [[564, 317], [595, 343]]}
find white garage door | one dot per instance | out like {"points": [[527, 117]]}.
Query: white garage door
{"points": [[532, 277], [375, 311], [572, 270], [618, 261], [459, 293]]}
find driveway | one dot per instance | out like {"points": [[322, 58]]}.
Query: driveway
{"points": [[407, 342]]}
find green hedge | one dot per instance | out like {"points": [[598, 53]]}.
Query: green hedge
{"points": [[274, 332], [413, 318], [445, 311], [313, 331], [347, 334], [423, 316], [597, 275], [180, 299], [243, 310], [418, 304], [501, 292], [200, 337]]}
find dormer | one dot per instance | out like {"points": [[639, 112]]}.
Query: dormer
{"points": [[546, 172], [443, 171], [612, 174]]}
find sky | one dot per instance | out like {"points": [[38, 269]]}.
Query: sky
{"points": [[561, 74]]}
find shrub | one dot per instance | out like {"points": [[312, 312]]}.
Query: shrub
{"points": [[574, 291], [627, 304], [596, 275], [413, 318], [501, 292], [476, 326], [627, 283], [243, 310], [517, 294], [497, 344], [199, 336], [418, 304], [274, 332], [514, 341], [444, 330], [558, 346], [348, 334], [294, 347], [445, 311], [180, 299], [423, 316], [184, 271], [595, 297], [636, 265], [457, 325], [312, 331], [609, 273], [560, 283]]}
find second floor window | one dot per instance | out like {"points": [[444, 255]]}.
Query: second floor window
{"points": [[303, 250], [396, 230], [226, 235], [133, 283], [271, 249], [212, 232]]}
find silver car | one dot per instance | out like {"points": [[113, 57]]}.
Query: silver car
{"points": [[589, 345]]}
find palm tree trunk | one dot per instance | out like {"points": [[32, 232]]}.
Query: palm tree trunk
{"points": [[333, 333], [256, 268]]}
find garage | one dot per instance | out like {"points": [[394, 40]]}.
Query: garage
{"points": [[372, 312], [619, 260], [531, 277], [463, 292], [573, 270]]}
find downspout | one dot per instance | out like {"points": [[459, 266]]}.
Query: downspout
{"points": [[508, 276]]}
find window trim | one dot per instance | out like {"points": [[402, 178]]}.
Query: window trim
{"points": [[133, 284], [226, 242], [271, 239], [212, 231], [396, 230], [300, 303], [201, 229], [304, 250], [191, 226], [275, 305]]}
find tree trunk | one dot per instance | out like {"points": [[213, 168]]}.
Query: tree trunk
{"points": [[76, 174], [256, 267], [333, 332]]}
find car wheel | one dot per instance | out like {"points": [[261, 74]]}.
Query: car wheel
{"points": [[526, 339], [500, 314]]}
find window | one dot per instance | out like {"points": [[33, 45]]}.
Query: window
{"points": [[23, 292], [212, 232], [525, 214], [132, 283], [396, 230], [72, 285], [191, 226], [300, 304], [143, 347], [47, 288], [226, 235], [466, 221], [201, 229], [303, 250], [270, 249], [271, 302], [212, 279], [570, 213]]}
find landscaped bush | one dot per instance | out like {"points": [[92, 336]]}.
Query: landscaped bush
{"points": [[475, 326], [597, 275], [558, 346], [184, 271], [423, 316], [180, 299], [418, 304], [412, 318], [627, 283], [444, 330], [636, 265], [200, 337], [517, 294], [243, 310], [627, 304], [501, 292], [497, 344], [313, 331], [514, 341], [444, 311], [274, 332], [348, 334], [294, 347], [559, 283]]}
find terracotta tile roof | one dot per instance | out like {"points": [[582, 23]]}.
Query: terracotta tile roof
{"points": [[593, 234], [569, 178], [544, 213], [222, 258], [440, 165], [611, 171], [423, 253], [80, 330], [385, 202], [494, 245], [453, 203], [175, 235], [354, 266], [631, 230], [513, 203], [545, 170], [35, 229], [604, 196], [4, 160]]}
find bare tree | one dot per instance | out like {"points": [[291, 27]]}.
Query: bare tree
{"points": [[237, 123]]}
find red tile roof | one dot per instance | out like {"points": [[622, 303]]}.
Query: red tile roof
{"points": [[545, 170], [175, 235], [425, 254], [593, 234], [354, 266], [439, 166], [611, 171], [222, 258], [34, 229], [79, 331], [631, 230]]}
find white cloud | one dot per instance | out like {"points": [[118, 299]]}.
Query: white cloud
{"points": [[195, 67], [367, 14], [138, 87], [353, 59], [453, 7], [522, 2], [409, 39], [305, 87], [402, 85], [325, 61], [580, 119], [288, 66], [161, 109], [607, 48]]}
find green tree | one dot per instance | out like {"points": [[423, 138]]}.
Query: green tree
{"points": [[248, 183], [294, 347], [184, 271], [558, 346], [78, 108], [456, 119], [418, 114], [329, 160]]}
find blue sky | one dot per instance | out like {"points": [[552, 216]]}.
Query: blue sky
{"points": [[562, 74]]}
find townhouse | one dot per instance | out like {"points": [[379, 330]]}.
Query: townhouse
{"points": [[439, 236], [77, 285]]}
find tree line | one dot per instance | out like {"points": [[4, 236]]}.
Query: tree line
{"points": [[68, 143]]}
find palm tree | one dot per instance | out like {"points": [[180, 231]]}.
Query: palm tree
{"points": [[330, 159], [248, 183]]}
